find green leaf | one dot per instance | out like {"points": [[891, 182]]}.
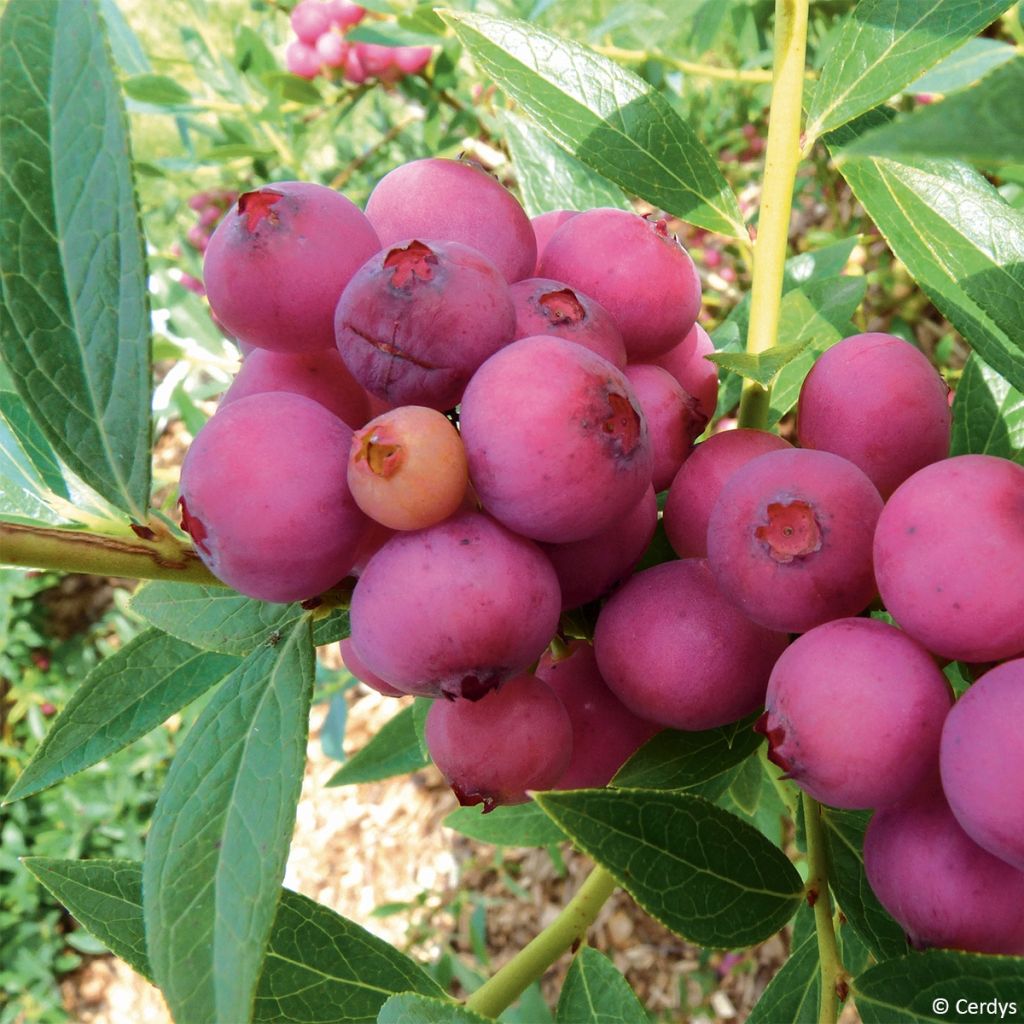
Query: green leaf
{"points": [[124, 44], [30, 478], [701, 871], [606, 116], [988, 414], [221, 830], [883, 46], [74, 316], [123, 698], [320, 968], [157, 90], [32, 443], [416, 1009], [817, 314], [385, 33], [217, 619], [393, 750], [794, 993], [983, 125], [764, 366], [844, 831], [549, 178], [516, 825], [938, 986], [975, 59], [958, 238], [679, 760], [594, 992]]}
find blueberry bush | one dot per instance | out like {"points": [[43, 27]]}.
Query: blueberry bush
{"points": [[635, 393]]}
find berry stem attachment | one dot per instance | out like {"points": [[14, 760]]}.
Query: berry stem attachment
{"points": [[833, 975], [508, 983], [782, 157]]}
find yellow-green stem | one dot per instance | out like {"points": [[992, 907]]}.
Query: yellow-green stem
{"points": [[782, 156], [540, 953], [833, 974], [63, 550]]}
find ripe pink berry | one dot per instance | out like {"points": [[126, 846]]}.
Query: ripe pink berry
{"points": [[264, 497], [982, 760], [302, 59], [697, 376], [877, 401], [604, 731], [949, 557], [279, 260], [511, 740], [579, 458], [941, 886], [344, 14], [357, 667], [635, 269], [545, 225], [332, 49], [789, 539], [447, 199], [550, 307], [310, 20], [675, 651], [700, 480], [411, 60], [854, 712]]}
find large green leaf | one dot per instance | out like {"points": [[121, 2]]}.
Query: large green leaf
{"points": [[975, 59], [393, 750], [123, 698], [549, 178], [679, 760], [217, 619], [844, 832], [958, 237], [221, 830], [595, 993], [883, 46], [939, 986], [409, 1008], [74, 320], [320, 968], [516, 825], [604, 115], [988, 414], [701, 871], [983, 124], [794, 993]]}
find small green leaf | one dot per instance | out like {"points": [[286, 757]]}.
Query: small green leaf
{"points": [[393, 750], [217, 619], [983, 125], [701, 871], [391, 33], [819, 314], [607, 117], [883, 46], [158, 90], [975, 59], [594, 992], [517, 825], [320, 968], [32, 444], [416, 1009], [27, 466], [288, 87], [764, 366], [549, 178], [221, 830], [679, 760], [988, 414], [74, 316], [957, 236], [123, 698], [794, 993], [844, 831], [939, 986]]}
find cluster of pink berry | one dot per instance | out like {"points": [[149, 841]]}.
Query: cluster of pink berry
{"points": [[209, 205], [472, 413], [320, 46]]}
